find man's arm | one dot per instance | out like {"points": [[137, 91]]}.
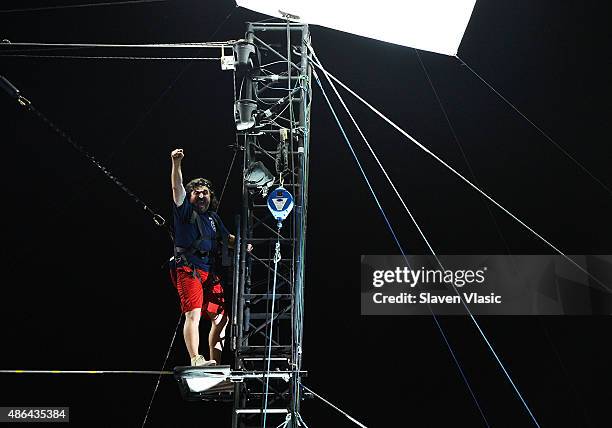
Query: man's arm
{"points": [[231, 243], [176, 177]]}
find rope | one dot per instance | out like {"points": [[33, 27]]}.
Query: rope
{"points": [[436, 157], [456, 138], [438, 325], [163, 366], [229, 171], [176, 79], [438, 261], [349, 417], [158, 219], [277, 258], [536, 127], [299, 416]]}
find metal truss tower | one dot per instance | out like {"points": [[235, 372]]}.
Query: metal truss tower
{"points": [[272, 116]]}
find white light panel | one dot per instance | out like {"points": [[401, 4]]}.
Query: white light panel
{"points": [[430, 25]]}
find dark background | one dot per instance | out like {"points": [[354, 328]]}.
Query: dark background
{"points": [[82, 284]]}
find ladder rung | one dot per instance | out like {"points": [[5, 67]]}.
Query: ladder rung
{"points": [[267, 295], [263, 316], [281, 411]]}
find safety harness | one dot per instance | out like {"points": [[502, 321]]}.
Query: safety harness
{"points": [[181, 253]]}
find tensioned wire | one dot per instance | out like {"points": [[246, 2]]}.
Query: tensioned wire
{"points": [[484, 337], [75, 6], [184, 45], [456, 138], [125, 58], [452, 129], [277, 256], [476, 324], [162, 369], [142, 118], [438, 325], [454, 171], [221, 196], [540, 130], [349, 417]]}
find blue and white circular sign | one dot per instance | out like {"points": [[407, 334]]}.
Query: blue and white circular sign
{"points": [[280, 203]]}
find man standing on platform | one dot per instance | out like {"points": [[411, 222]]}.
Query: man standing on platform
{"points": [[199, 237]]}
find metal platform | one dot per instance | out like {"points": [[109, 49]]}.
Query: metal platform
{"points": [[216, 383]]}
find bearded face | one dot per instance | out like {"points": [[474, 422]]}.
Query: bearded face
{"points": [[200, 198]]}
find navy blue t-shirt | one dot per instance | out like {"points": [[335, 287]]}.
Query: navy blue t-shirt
{"points": [[185, 233]]}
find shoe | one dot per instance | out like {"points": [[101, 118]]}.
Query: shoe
{"points": [[199, 360]]}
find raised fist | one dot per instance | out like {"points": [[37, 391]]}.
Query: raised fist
{"points": [[177, 154]]}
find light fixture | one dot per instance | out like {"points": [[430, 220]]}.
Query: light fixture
{"points": [[243, 112], [245, 55], [430, 25], [201, 383], [257, 175]]}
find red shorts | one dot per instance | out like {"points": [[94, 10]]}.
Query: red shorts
{"points": [[204, 292]]}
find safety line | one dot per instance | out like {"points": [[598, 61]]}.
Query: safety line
{"points": [[436, 157], [438, 325], [162, 369], [352, 419], [131, 58], [74, 6], [277, 257], [549, 138]]}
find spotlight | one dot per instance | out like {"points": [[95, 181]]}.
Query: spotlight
{"points": [[258, 175], [245, 55], [243, 111], [202, 383]]}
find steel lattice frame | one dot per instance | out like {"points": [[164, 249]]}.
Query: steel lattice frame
{"points": [[289, 75]]}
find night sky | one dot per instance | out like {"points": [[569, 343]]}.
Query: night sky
{"points": [[83, 286]]}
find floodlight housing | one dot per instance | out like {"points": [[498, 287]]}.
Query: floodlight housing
{"points": [[257, 175], [244, 110], [430, 25], [245, 55], [204, 383]]}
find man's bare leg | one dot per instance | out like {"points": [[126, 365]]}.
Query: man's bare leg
{"points": [[191, 332], [216, 337]]}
